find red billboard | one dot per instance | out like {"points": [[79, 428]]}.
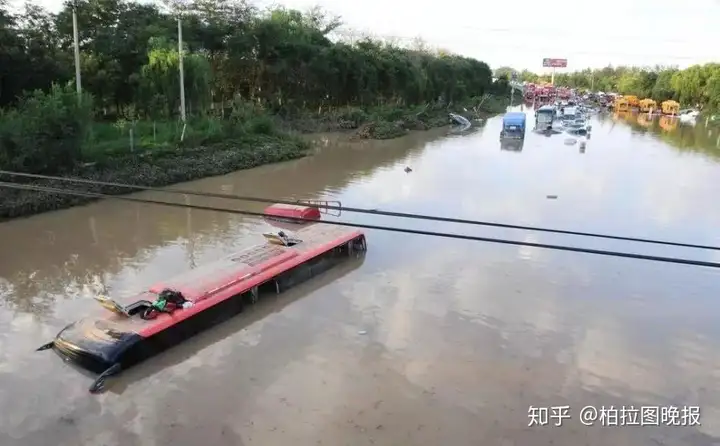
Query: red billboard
{"points": [[555, 63]]}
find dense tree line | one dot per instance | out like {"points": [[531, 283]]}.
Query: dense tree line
{"points": [[281, 59], [695, 85], [245, 70]]}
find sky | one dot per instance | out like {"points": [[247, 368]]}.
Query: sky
{"points": [[521, 33]]}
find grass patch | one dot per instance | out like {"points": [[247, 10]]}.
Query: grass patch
{"points": [[156, 168], [52, 133]]}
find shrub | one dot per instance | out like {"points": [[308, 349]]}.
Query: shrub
{"points": [[44, 134]]}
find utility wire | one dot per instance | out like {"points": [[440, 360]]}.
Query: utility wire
{"points": [[358, 210], [53, 190]]}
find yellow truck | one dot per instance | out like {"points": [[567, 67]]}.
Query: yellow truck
{"points": [[633, 101], [670, 108], [621, 104], [648, 105]]}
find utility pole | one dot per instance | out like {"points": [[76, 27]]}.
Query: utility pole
{"points": [[76, 38], [513, 78], [182, 77], [182, 70]]}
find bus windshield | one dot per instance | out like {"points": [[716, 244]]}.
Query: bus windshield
{"points": [[544, 118]]}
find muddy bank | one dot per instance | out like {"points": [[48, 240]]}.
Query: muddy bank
{"points": [[155, 169], [391, 122]]}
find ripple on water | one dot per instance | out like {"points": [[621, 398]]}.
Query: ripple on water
{"points": [[428, 341]]}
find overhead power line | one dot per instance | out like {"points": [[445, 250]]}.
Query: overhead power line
{"points": [[357, 210], [53, 190]]}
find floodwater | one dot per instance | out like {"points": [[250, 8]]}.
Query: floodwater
{"points": [[426, 341]]}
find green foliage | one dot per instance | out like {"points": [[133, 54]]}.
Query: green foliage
{"points": [[281, 59], [160, 80], [245, 72], [698, 84], [158, 169], [261, 125], [45, 133]]}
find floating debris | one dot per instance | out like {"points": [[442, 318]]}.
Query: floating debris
{"points": [[459, 120]]}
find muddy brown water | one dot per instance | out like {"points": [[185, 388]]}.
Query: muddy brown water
{"points": [[426, 341]]}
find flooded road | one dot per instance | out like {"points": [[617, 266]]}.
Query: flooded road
{"points": [[426, 341]]}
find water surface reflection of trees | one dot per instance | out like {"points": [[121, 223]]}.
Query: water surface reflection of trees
{"points": [[683, 137]]}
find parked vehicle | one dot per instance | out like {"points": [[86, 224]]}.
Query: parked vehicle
{"points": [[670, 108], [459, 120], [633, 101], [544, 117], [513, 126], [648, 105], [688, 116], [621, 104]]}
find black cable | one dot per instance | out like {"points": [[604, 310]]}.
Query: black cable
{"points": [[359, 210], [364, 226]]}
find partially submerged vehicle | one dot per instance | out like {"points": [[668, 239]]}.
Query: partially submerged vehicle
{"points": [[545, 117], [459, 120], [689, 116], [167, 313], [569, 113], [529, 92], [670, 107], [621, 104], [576, 121], [633, 101], [648, 105], [513, 126]]}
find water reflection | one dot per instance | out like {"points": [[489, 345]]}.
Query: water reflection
{"points": [[430, 341], [668, 123], [512, 145], [68, 253], [691, 138]]}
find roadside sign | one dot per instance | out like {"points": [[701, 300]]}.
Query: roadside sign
{"points": [[555, 63]]}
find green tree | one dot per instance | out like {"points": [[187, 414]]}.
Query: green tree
{"points": [[697, 84], [282, 60]]}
